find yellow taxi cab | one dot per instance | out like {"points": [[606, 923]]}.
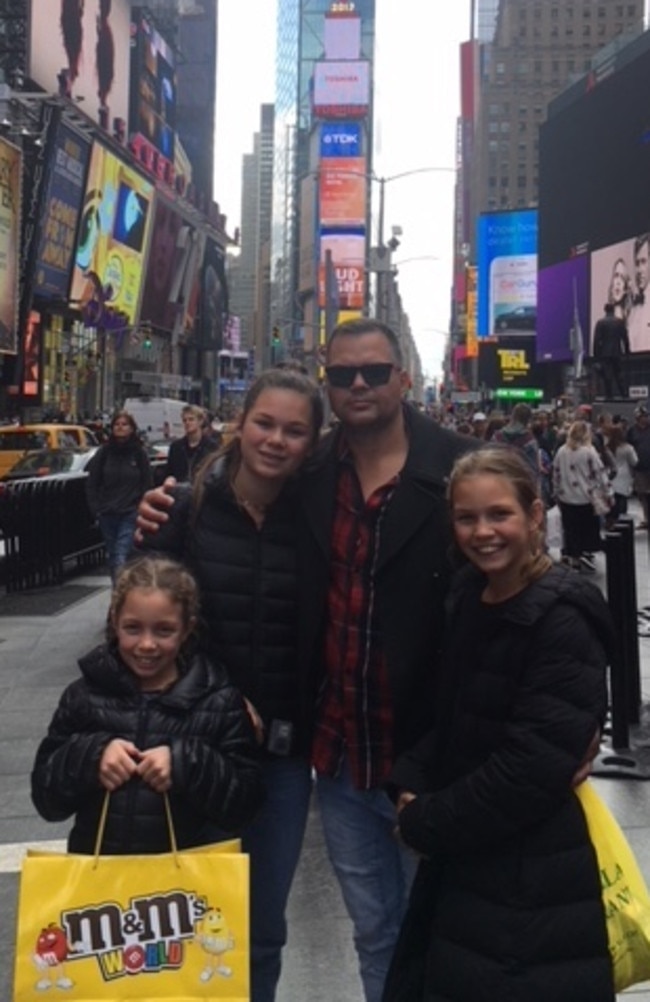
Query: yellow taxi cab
{"points": [[18, 439]]}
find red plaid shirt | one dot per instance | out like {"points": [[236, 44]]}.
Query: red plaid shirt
{"points": [[355, 715]]}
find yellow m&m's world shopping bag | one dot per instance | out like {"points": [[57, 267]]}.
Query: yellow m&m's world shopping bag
{"points": [[171, 927], [625, 895]]}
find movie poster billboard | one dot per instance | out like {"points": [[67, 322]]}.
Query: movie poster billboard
{"points": [[620, 274], [172, 263], [348, 257], [113, 232], [84, 49], [62, 204], [342, 192], [10, 195], [507, 269]]}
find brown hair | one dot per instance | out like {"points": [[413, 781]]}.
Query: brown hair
{"points": [[270, 379], [128, 417], [155, 573], [510, 464]]}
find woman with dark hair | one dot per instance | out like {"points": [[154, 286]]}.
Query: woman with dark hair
{"points": [[118, 475], [237, 528]]}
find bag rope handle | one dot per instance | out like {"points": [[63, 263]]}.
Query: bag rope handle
{"points": [[102, 825]]}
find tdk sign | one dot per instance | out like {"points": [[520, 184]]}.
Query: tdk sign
{"points": [[340, 139]]}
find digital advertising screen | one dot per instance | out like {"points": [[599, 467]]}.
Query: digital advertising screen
{"points": [[152, 120], [507, 270], [340, 139], [62, 204], [89, 43], [342, 192], [508, 362], [214, 297], [341, 88], [32, 353], [563, 311], [10, 201], [594, 192], [348, 257], [172, 263], [113, 232]]}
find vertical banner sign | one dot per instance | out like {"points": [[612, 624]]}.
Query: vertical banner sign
{"points": [[64, 192], [471, 340], [10, 191]]}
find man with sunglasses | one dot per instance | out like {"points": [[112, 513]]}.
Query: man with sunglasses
{"points": [[377, 546]]}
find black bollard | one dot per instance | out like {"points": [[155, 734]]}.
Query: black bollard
{"points": [[615, 570], [625, 526]]}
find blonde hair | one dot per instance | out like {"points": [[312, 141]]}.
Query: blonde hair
{"points": [[579, 433], [153, 573], [508, 463]]}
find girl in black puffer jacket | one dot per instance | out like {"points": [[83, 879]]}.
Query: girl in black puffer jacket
{"points": [[145, 719]]}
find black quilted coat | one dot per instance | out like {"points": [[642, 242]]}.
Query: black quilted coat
{"points": [[216, 786], [507, 906]]}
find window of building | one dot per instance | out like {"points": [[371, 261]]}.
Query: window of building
{"points": [[569, 13], [493, 127], [570, 65], [586, 11], [522, 127], [492, 182], [500, 68], [602, 12], [505, 127], [586, 30], [521, 202], [493, 146], [495, 109], [554, 31], [505, 202], [492, 203], [523, 110], [631, 10], [522, 68], [538, 66], [554, 13], [521, 181], [504, 181], [555, 66]]}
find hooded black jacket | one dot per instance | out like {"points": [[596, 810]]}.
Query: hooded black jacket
{"points": [[216, 785], [508, 905]]}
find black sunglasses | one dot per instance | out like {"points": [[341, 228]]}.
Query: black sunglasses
{"points": [[373, 374]]}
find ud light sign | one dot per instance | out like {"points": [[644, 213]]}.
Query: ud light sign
{"points": [[341, 139], [507, 270]]}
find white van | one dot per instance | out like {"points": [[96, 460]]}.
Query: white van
{"points": [[157, 418]]}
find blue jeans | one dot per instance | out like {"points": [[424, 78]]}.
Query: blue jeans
{"points": [[274, 841], [374, 869], [117, 531]]}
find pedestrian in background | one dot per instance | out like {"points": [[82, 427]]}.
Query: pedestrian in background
{"points": [[188, 452], [625, 462], [518, 434], [580, 481], [507, 901], [118, 475], [639, 437]]}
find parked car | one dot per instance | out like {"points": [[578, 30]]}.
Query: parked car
{"points": [[17, 440], [522, 318], [50, 464]]}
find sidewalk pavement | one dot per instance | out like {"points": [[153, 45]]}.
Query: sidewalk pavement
{"points": [[38, 654]]}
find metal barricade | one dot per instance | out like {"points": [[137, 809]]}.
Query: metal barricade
{"points": [[45, 525]]}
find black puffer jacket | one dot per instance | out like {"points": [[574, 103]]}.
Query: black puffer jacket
{"points": [[249, 593], [509, 904], [216, 785]]}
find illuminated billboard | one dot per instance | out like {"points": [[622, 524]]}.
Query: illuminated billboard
{"points": [[214, 297], [341, 89], [152, 118], [89, 44], [507, 268], [32, 351], [10, 196], [340, 139], [172, 263], [348, 257], [342, 36], [563, 312], [113, 232], [593, 193], [342, 192], [63, 196]]}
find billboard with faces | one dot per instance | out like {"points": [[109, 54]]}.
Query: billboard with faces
{"points": [[113, 233], [213, 308]]}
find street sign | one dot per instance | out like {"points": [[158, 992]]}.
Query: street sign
{"points": [[637, 392]]}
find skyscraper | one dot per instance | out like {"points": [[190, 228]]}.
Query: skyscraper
{"points": [[300, 44]]}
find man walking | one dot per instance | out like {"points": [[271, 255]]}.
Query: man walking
{"points": [[186, 453], [611, 343]]}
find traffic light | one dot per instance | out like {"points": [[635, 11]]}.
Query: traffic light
{"points": [[146, 336], [275, 337]]}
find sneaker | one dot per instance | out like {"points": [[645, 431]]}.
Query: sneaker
{"points": [[587, 563]]}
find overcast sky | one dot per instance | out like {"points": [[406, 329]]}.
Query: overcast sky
{"points": [[416, 105]]}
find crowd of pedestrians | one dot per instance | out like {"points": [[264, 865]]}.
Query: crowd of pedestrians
{"points": [[364, 590]]}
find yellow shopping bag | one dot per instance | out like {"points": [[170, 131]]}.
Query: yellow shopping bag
{"points": [[625, 894], [172, 927]]}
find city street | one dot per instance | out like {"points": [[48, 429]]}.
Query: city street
{"points": [[41, 636]]}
